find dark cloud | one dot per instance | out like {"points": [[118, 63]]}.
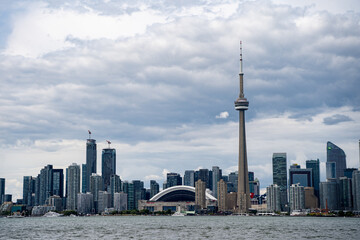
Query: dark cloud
{"points": [[337, 118]]}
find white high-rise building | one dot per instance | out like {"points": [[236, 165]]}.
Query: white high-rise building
{"points": [[73, 186]]}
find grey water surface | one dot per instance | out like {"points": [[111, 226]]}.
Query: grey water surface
{"points": [[189, 227]]}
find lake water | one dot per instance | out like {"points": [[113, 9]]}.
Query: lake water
{"points": [[190, 227]]}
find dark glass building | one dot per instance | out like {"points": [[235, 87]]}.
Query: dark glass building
{"points": [[280, 176], [28, 190], [83, 178], [300, 176], [58, 182], [154, 188], [314, 165], [173, 179], [336, 155], [108, 165], [189, 178], [91, 154], [2, 190]]}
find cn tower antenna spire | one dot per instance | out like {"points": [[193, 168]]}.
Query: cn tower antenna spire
{"points": [[241, 64]]}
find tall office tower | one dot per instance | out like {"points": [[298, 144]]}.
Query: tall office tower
{"points": [[104, 201], [2, 190], [311, 200], [233, 180], [300, 176], [28, 190], [129, 190], [216, 176], [85, 204], [57, 202], [349, 172], [154, 188], [58, 182], [329, 197], [120, 201], [73, 186], [221, 195], [90, 160], [173, 179], [273, 198], [115, 186], [210, 180], [108, 166], [200, 199], [37, 191], [139, 192], [280, 176], [356, 190], [345, 196], [46, 183], [296, 197], [241, 105], [337, 155], [96, 185], [331, 170], [203, 175], [83, 178], [189, 178], [314, 165]]}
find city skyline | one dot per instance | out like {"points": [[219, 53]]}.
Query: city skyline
{"points": [[302, 72]]}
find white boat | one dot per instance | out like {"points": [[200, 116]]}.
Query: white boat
{"points": [[52, 214], [178, 214]]}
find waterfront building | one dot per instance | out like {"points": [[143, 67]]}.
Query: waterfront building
{"points": [[280, 176], [311, 200], [154, 188], [345, 194], [299, 175], [139, 192], [96, 185], [172, 179], [37, 191], [115, 186], [84, 187], [8, 198], [200, 188], [189, 178], [337, 155], [104, 201], [356, 190], [120, 201], [273, 198], [314, 165], [57, 202], [28, 190], [216, 176], [221, 195], [73, 185], [2, 190], [46, 184], [296, 197], [58, 182], [91, 154], [329, 197], [128, 188], [108, 166], [85, 204]]}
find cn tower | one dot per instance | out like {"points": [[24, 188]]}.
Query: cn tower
{"points": [[241, 105]]}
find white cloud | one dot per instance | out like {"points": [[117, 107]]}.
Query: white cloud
{"points": [[223, 115]]}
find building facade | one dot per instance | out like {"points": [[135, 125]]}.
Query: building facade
{"points": [[280, 176], [154, 188], [314, 165], [216, 176], [273, 198], [296, 197], [73, 186], [189, 178], [108, 165], [200, 199], [221, 195], [336, 155], [91, 157]]}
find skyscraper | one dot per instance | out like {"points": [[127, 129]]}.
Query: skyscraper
{"points": [[336, 155], [216, 176], [139, 192], [241, 105], [221, 195], [356, 190], [73, 186], [85, 204], [154, 188], [200, 199], [189, 178], [329, 197], [173, 179], [90, 160], [28, 190], [280, 176], [58, 182], [300, 176], [2, 190], [108, 165], [115, 187], [314, 165], [296, 197], [203, 175], [83, 178], [273, 198], [96, 185]]}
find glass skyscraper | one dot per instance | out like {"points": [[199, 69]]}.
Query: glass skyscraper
{"points": [[58, 182], [189, 178], [108, 165], [73, 186], [90, 160], [280, 176], [154, 188], [336, 155], [2, 190], [216, 176], [315, 166]]}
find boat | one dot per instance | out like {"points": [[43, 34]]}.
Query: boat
{"points": [[15, 215], [178, 214], [52, 214]]}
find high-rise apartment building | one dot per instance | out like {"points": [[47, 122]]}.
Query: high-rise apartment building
{"points": [[73, 186], [104, 201], [128, 188], [85, 204], [58, 182], [28, 190], [154, 188], [2, 190], [46, 184], [233, 180], [329, 197], [216, 176], [221, 195], [311, 200], [84, 187], [120, 201], [173, 179], [189, 178], [139, 192], [200, 199], [314, 165], [296, 197], [336, 155], [280, 176], [273, 198], [203, 175], [108, 165], [345, 194], [356, 190], [115, 186], [91, 154], [96, 185]]}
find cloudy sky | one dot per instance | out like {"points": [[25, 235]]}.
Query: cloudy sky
{"points": [[159, 79]]}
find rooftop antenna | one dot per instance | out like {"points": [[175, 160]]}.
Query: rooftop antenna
{"points": [[89, 134], [108, 143]]}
